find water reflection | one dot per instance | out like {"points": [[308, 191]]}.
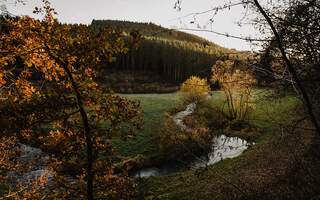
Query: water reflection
{"points": [[222, 147]]}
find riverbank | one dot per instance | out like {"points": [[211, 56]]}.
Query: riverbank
{"points": [[268, 170], [239, 177], [157, 107], [222, 147]]}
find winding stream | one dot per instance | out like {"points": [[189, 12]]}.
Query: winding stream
{"points": [[178, 118], [222, 147]]}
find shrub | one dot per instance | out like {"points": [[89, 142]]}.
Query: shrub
{"points": [[237, 87], [194, 89], [177, 143]]}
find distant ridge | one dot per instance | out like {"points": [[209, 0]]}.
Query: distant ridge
{"points": [[152, 30]]}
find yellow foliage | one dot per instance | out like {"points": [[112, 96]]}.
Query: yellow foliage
{"points": [[230, 78], [237, 87], [194, 89]]}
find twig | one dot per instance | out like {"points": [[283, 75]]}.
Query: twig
{"points": [[13, 194]]}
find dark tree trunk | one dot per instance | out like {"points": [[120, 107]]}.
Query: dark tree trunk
{"points": [[87, 131], [291, 69]]}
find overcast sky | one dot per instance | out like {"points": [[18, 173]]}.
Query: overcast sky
{"points": [[160, 12]]}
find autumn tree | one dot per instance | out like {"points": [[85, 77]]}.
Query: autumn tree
{"points": [[47, 78], [237, 87]]}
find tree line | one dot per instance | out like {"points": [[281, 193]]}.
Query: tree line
{"points": [[173, 55]]}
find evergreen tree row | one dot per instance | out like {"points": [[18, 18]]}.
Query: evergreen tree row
{"points": [[173, 55]]}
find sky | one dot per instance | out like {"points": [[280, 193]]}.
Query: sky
{"points": [[160, 12]]}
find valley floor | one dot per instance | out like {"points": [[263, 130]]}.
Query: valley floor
{"points": [[276, 167]]}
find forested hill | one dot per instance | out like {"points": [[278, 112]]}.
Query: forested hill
{"points": [[150, 29], [164, 55]]}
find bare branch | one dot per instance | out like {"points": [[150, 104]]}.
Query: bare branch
{"points": [[226, 35]]}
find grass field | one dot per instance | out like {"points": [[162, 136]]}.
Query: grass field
{"points": [[154, 107]]}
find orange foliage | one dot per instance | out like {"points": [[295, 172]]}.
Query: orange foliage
{"points": [[237, 87], [64, 95]]}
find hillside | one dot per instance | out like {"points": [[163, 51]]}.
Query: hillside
{"points": [[150, 29], [163, 56]]}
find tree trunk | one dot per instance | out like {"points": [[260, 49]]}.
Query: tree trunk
{"points": [[87, 134], [291, 69], [84, 117]]}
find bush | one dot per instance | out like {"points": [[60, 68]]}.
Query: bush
{"points": [[176, 143], [194, 89]]}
